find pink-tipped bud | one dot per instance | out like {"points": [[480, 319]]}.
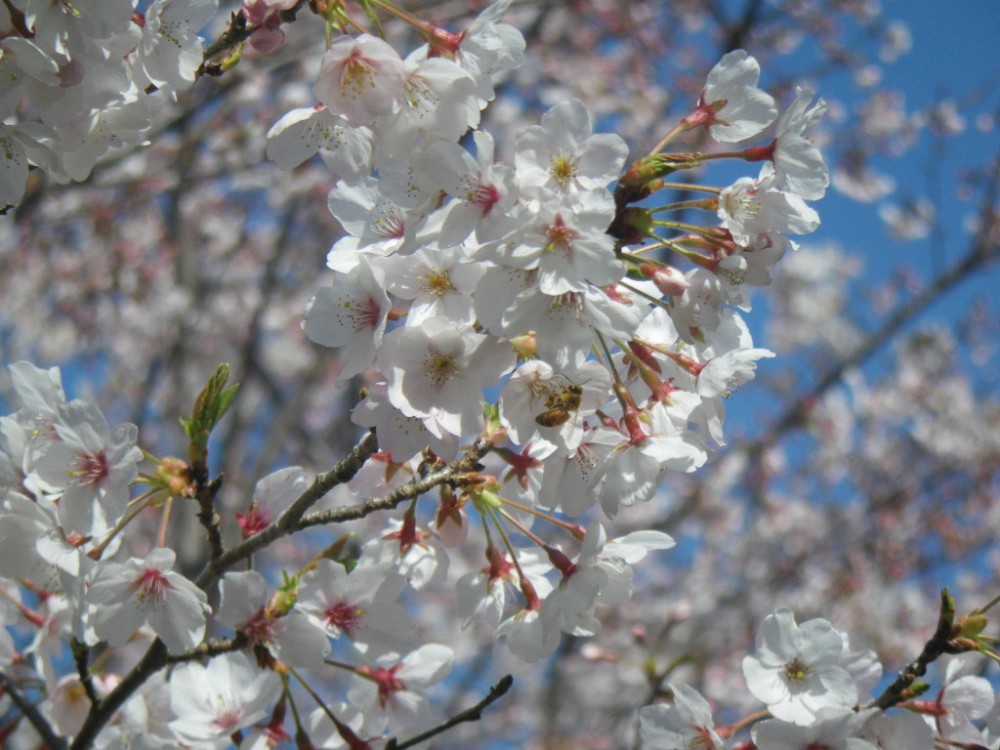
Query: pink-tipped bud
{"points": [[668, 279]]}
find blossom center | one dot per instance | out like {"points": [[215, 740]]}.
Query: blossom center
{"points": [[796, 670], [367, 314], [560, 236], [253, 521], [701, 740], [343, 616], [389, 223], [89, 467], [357, 76], [386, 679], [419, 93], [228, 719], [440, 367], [500, 568], [483, 195], [743, 205], [260, 628], [152, 584], [438, 284], [562, 168]]}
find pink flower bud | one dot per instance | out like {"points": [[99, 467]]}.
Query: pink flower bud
{"points": [[668, 279]]}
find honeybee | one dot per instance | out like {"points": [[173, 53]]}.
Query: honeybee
{"points": [[560, 404]]}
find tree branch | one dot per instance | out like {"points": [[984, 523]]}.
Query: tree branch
{"points": [[100, 714], [288, 521], [32, 714], [237, 33], [983, 251], [408, 491]]}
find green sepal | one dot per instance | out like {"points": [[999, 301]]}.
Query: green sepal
{"points": [[286, 595], [371, 15], [972, 625]]}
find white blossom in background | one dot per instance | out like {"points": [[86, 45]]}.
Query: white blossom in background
{"points": [[89, 79], [685, 724]]}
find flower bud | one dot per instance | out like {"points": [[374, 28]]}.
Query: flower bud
{"points": [[669, 280]]}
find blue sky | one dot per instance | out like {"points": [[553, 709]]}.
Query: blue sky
{"points": [[955, 54]]}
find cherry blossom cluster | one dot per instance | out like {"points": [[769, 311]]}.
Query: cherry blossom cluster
{"points": [[460, 275], [66, 473], [85, 78], [818, 694]]}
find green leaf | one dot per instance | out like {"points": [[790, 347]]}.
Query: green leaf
{"points": [[209, 408]]}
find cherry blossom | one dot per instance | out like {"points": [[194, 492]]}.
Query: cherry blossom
{"points": [[830, 730], [437, 370], [796, 671], [225, 695], [360, 79], [244, 605], [962, 698], [751, 208], [798, 163], [483, 192], [687, 723], [351, 313], [272, 495], [302, 133], [171, 50], [390, 691], [901, 731], [90, 467], [523, 344], [562, 153], [147, 591], [731, 106], [360, 606]]}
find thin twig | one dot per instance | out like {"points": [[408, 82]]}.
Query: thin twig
{"points": [[100, 714], [236, 34], [81, 657], [32, 714], [934, 648], [288, 521], [208, 516], [211, 648], [475, 713], [415, 487]]}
